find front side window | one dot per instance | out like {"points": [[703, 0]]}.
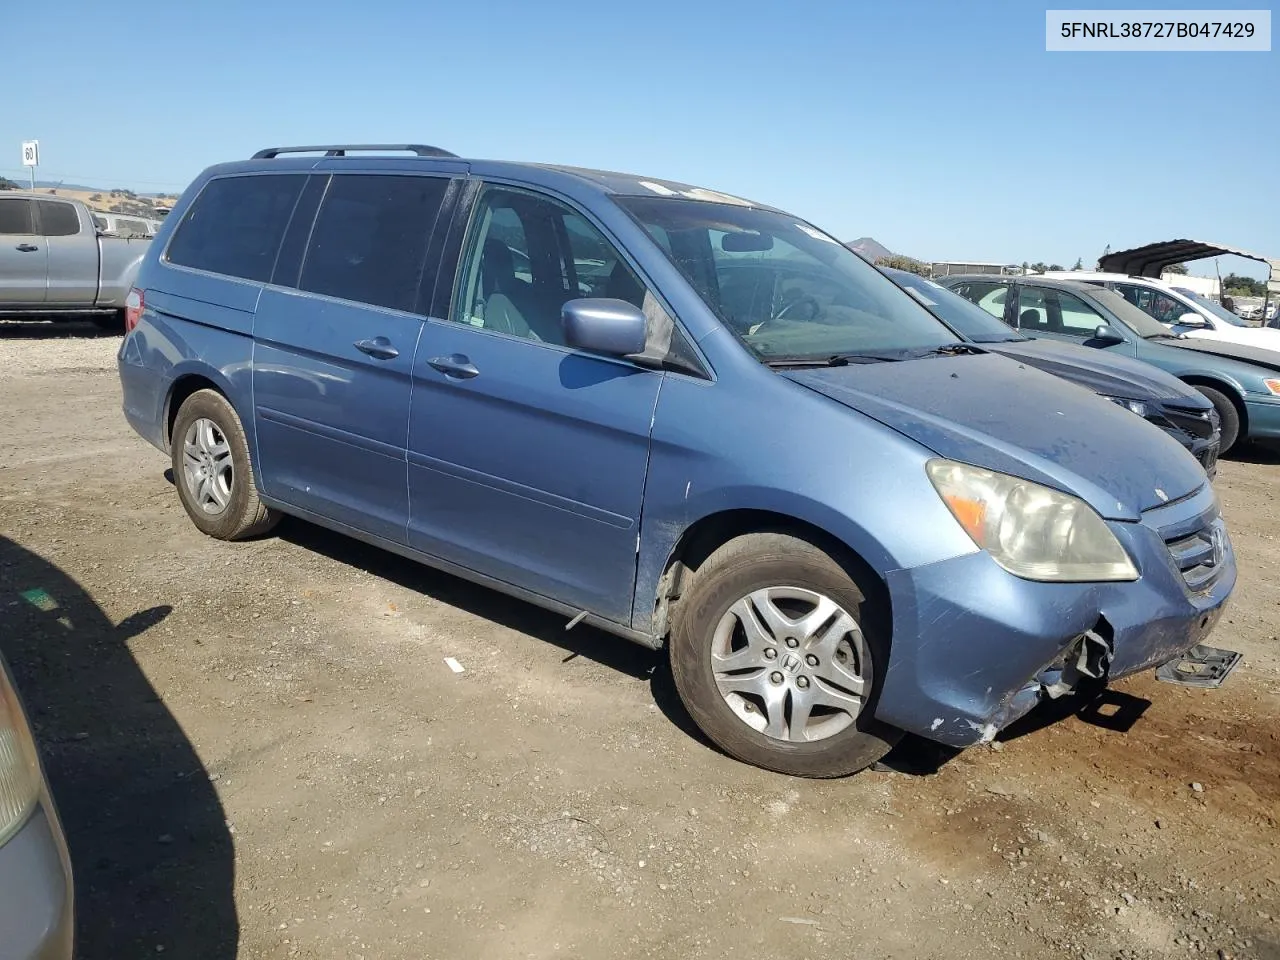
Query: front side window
{"points": [[1033, 311], [787, 290], [15, 217], [236, 224], [369, 241], [526, 257], [58, 219], [1154, 303], [1078, 318]]}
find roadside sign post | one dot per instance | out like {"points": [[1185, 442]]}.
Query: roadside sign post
{"points": [[31, 158]]}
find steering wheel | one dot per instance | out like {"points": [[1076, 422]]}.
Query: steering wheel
{"points": [[814, 308]]}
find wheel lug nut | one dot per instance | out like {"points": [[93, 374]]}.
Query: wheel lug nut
{"points": [[802, 683], [811, 660], [770, 653], [776, 677], [792, 642]]}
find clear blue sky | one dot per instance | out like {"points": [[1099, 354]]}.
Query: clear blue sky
{"points": [[944, 130]]}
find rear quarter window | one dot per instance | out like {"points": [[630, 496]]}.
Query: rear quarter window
{"points": [[235, 225]]}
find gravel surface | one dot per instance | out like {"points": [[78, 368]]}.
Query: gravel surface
{"points": [[259, 751]]}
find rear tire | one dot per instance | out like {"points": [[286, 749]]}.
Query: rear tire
{"points": [[776, 660], [212, 470], [1227, 414]]}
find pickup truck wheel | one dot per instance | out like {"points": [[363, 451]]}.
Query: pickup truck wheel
{"points": [[111, 322], [1227, 413], [212, 471], [775, 661]]}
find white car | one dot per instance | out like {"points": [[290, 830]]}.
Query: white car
{"points": [[1180, 309]]}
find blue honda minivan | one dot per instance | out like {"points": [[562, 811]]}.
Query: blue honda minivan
{"points": [[843, 521]]}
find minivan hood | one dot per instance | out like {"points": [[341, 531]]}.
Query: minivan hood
{"points": [[994, 412], [1099, 371]]}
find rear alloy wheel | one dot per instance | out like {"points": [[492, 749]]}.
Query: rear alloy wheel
{"points": [[212, 471], [773, 659]]}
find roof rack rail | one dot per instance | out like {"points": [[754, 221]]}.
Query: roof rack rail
{"points": [[340, 150]]}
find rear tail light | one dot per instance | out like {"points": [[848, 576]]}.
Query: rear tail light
{"points": [[133, 305]]}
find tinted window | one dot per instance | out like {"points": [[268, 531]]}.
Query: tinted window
{"points": [[58, 219], [15, 216], [1155, 303], [989, 296], [235, 225], [1033, 310], [526, 257], [955, 311], [370, 238], [1078, 318]]}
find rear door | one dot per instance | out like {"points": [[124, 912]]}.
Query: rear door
{"points": [[73, 254], [527, 458], [334, 339], [24, 255]]}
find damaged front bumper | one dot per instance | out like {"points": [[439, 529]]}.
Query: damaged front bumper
{"points": [[974, 647]]}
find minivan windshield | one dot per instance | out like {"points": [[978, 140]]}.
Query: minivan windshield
{"points": [[789, 291], [961, 315], [1217, 309]]}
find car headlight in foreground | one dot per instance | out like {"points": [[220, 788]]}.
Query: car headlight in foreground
{"points": [[19, 767], [1031, 530]]}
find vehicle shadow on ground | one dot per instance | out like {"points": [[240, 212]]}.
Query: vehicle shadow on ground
{"points": [[1256, 452], [605, 649], [25, 329], [150, 848]]}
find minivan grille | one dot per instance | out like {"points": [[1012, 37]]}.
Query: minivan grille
{"points": [[1200, 556]]}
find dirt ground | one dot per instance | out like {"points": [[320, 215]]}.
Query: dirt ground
{"points": [[259, 752]]}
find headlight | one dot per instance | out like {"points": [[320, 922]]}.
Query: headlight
{"points": [[19, 768], [1030, 530], [1137, 406]]}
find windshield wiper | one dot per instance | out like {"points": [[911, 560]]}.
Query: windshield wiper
{"points": [[949, 350], [1166, 336], [835, 360]]}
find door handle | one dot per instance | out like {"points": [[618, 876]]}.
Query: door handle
{"points": [[379, 348], [27, 247], [456, 365]]}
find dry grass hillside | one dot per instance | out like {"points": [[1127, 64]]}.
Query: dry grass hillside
{"points": [[117, 201]]}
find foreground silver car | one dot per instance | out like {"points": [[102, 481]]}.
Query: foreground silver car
{"points": [[36, 914]]}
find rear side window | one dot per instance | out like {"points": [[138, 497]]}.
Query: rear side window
{"points": [[369, 242], [15, 216], [236, 224], [58, 219]]}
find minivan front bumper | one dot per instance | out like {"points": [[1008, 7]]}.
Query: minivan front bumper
{"points": [[975, 647]]}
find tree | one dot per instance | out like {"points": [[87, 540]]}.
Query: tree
{"points": [[1238, 286], [1079, 264], [7, 184], [899, 262], [1055, 266], [1038, 267], [1179, 268]]}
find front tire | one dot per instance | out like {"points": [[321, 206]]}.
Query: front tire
{"points": [[776, 661], [212, 470], [1227, 414]]}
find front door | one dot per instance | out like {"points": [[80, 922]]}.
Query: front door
{"points": [[527, 459], [333, 355], [24, 256]]}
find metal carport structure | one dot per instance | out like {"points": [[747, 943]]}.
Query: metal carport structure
{"points": [[1152, 259]]}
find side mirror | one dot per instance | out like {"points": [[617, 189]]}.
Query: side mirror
{"points": [[1104, 336], [1192, 321], [614, 328]]}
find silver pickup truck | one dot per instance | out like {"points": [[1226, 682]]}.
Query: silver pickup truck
{"points": [[55, 263]]}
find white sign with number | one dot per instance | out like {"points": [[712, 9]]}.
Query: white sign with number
{"points": [[31, 153]]}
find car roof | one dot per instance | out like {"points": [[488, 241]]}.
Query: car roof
{"points": [[1098, 275], [1037, 279], [544, 174]]}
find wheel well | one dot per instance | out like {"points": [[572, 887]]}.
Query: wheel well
{"points": [[1227, 391], [183, 388], [710, 533]]}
